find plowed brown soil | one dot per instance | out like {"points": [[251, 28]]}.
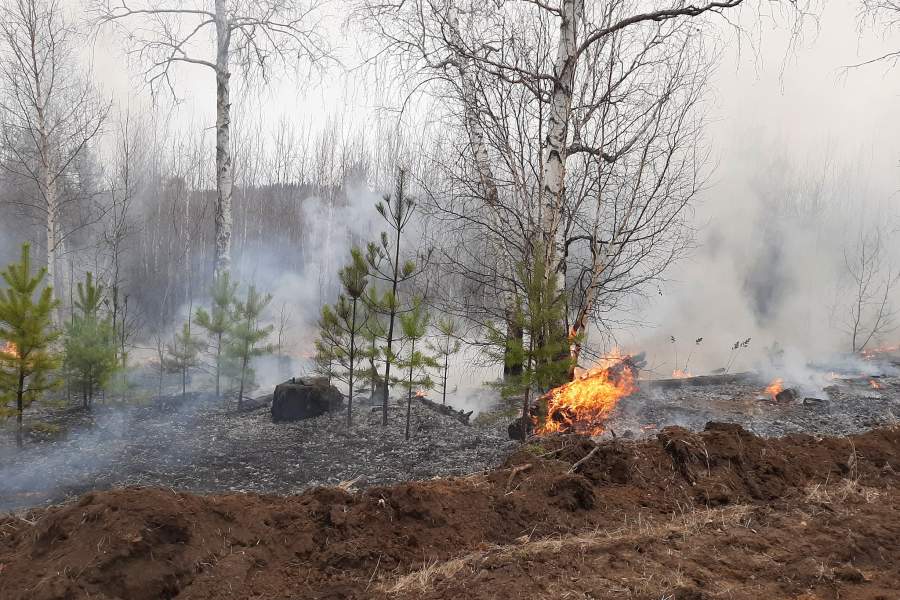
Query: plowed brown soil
{"points": [[716, 514]]}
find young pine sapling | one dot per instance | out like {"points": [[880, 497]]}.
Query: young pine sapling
{"points": [[446, 345], [340, 327], [385, 265], [245, 337], [412, 361], [26, 331], [91, 346], [183, 354], [217, 321]]}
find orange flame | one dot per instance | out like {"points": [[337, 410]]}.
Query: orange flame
{"points": [[420, 393], [874, 384], [776, 387], [870, 353], [10, 349], [584, 404], [679, 374]]}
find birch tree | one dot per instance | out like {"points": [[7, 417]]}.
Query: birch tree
{"points": [[230, 34], [577, 131], [49, 112]]}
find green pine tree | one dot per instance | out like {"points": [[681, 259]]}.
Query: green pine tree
{"points": [[446, 345], [543, 350], [354, 278], [412, 361], [245, 338], [183, 354], [90, 344], [217, 321], [386, 266], [27, 358], [341, 326]]}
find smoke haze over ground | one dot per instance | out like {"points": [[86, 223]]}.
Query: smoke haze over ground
{"points": [[805, 162]]}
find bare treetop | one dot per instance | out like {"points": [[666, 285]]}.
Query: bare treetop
{"points": [[242, 33], [255, 35]]}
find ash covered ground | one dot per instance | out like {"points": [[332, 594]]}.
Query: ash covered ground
{"points": [[205, 446], [845, 405]]}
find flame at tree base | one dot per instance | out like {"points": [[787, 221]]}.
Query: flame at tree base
{"points": [[584, 404]]}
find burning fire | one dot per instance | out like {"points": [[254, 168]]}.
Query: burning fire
{"points": [[874, 384], [679, 374], [10, 349], [775, 388], [420, 393], [584, 404], [870, 353]]}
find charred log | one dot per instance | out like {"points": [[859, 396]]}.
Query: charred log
{"points": [[667, 384], [459, 415], [519, 431], [787, 395]]}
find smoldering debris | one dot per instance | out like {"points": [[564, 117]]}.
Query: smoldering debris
{"points": [[845, 406]]}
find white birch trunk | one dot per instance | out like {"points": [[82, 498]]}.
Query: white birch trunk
{"points": [[474, 125], [478, 147], [554, 168], [224, 172]]}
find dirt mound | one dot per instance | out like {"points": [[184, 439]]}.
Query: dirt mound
{"points": [[554, 516]]}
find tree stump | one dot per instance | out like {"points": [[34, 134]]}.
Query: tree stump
{"points": [[304, 399]]}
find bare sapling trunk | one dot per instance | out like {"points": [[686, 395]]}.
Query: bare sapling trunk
{"points": [[218, 365], [409, 394], [243, 376], [514, 336], [388, 358], [20, 407], [352, 367], [446, 370], [162, 367], [526, 400]]}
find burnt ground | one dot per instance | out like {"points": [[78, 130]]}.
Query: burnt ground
{"points": [[681, 515], [205, 446], [837, 404]]}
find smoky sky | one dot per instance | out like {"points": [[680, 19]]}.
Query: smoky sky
{"points": [[785, 115]]}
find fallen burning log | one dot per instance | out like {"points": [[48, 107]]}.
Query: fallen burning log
{"points": [[459, 415], [680, 382]]}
